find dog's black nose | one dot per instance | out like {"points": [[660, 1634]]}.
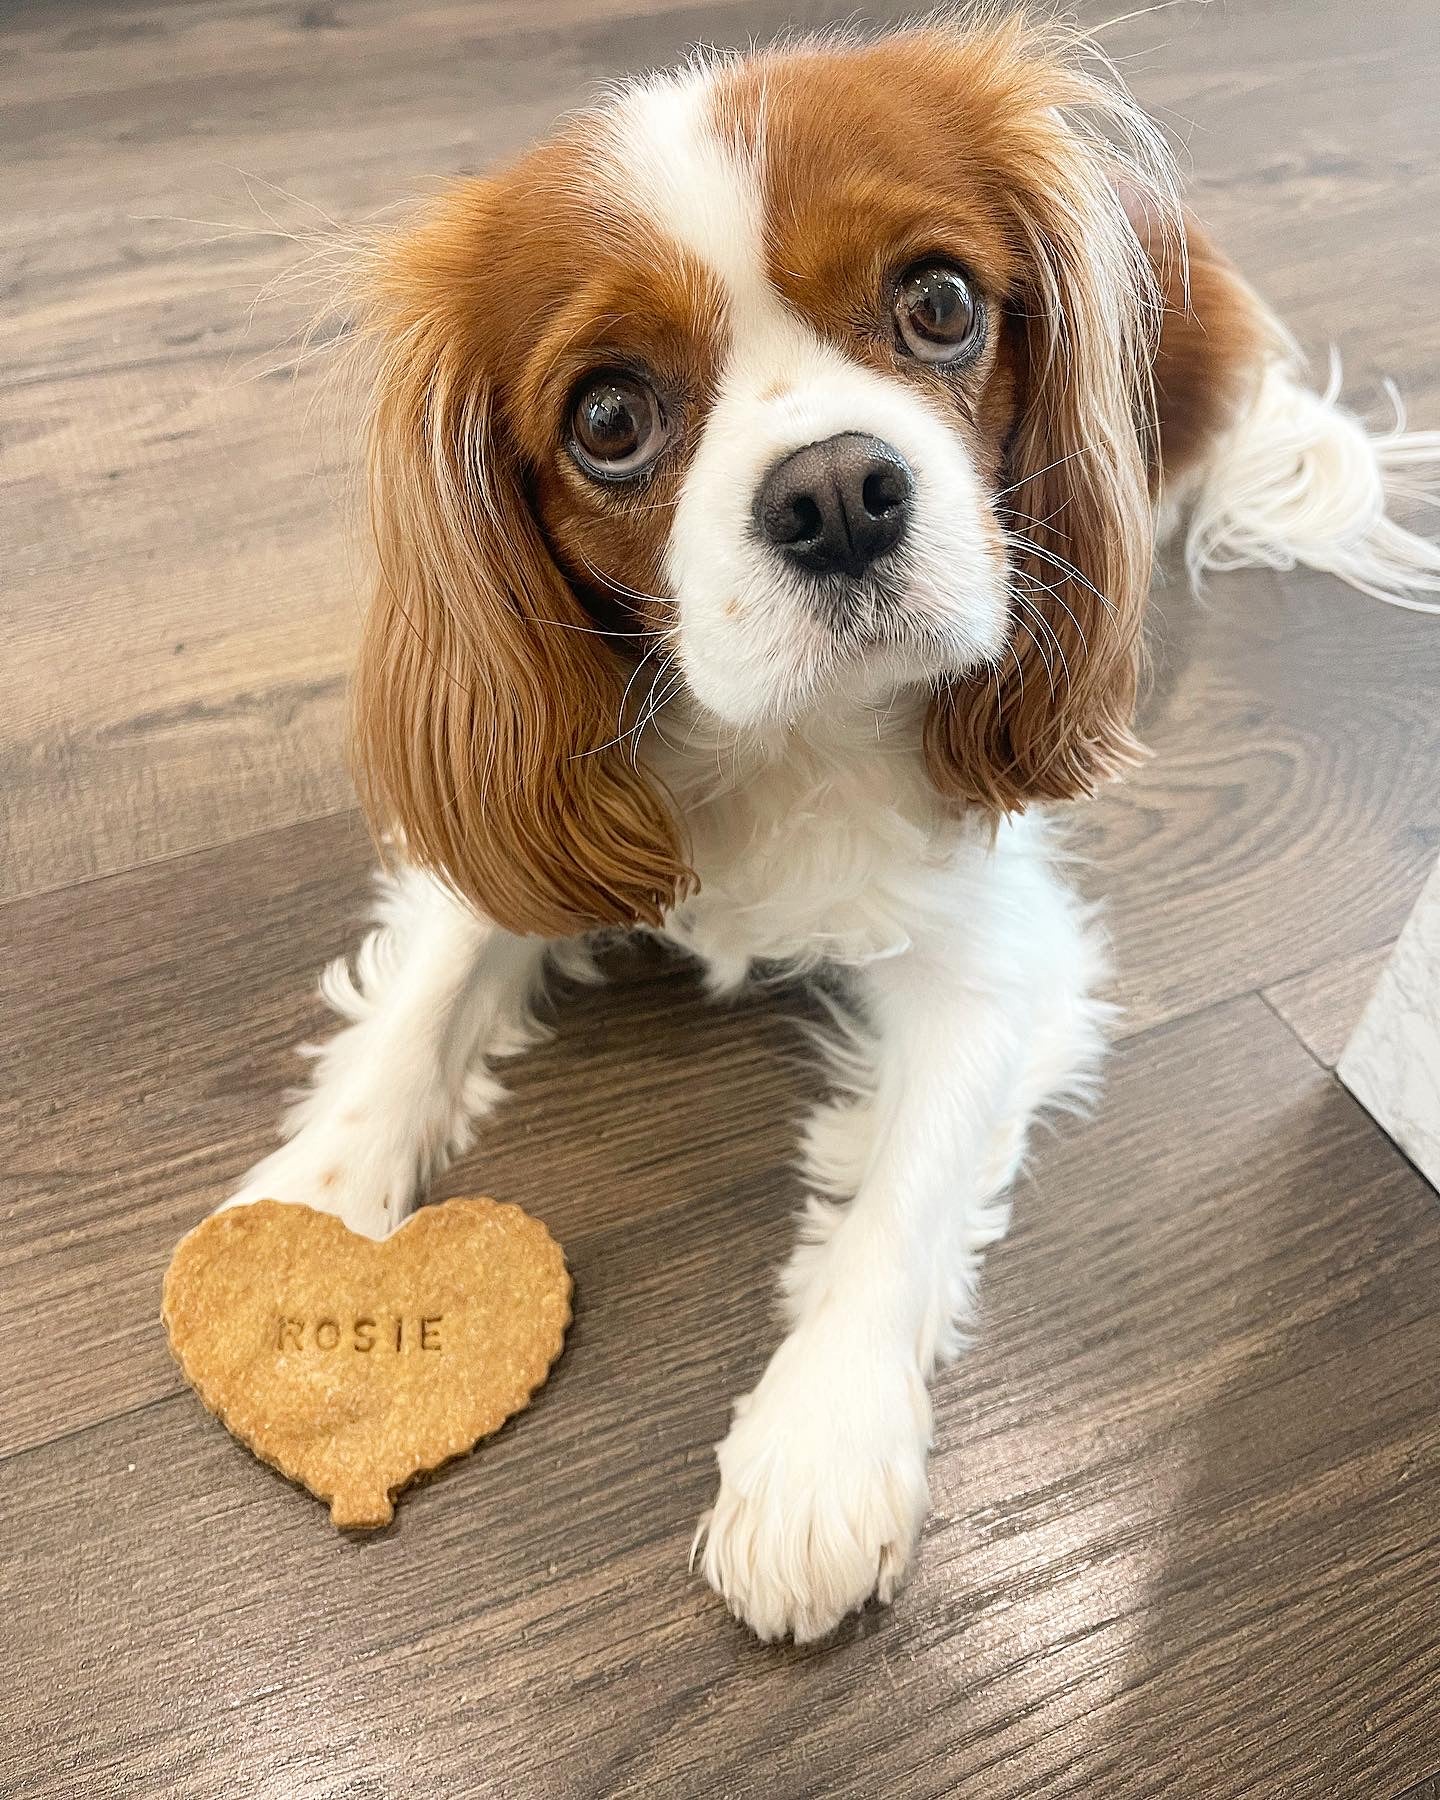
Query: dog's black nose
{"points": [[834, 507]]}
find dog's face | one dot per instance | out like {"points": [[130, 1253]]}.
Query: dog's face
{"points": [[805, 424], [803, 379]]}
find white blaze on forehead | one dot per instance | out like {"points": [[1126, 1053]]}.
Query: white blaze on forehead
{"points": [[670, 164], [675, 162]]}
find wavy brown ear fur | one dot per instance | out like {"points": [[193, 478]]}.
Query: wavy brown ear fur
{"points": [[1054, 721], [486, 709]]}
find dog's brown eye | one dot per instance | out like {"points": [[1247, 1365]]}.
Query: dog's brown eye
{"points": [[938, 315], [617, 425]]}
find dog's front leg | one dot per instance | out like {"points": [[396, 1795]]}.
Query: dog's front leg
{"points": [[435, 994], [823, 1474]]}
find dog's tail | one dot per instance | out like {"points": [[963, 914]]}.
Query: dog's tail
{"points": [[1300, 479]]}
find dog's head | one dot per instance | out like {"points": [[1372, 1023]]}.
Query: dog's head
{"points": [[796, 380]]}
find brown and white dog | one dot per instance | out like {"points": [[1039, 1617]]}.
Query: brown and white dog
{"points": [[765, 474]]}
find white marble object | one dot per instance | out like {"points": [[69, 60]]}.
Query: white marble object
{"points": [[1392, 1062]]}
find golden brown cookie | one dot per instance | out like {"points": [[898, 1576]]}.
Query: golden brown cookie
{"points": [[353, 1364]]}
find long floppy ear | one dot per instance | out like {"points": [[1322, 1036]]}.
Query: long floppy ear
{"points": [[486, 708], [1054, 721]]}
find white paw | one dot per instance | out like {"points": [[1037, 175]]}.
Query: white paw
{"points": [[338, 1166], [822, 1487]]}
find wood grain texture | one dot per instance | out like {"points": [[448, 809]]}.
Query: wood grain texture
{"points": [[1270, 820], [1185, 1537], [1323, 1006]]}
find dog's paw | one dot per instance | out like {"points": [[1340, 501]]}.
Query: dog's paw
{"points": [[337, 1167], [822, 1488]]}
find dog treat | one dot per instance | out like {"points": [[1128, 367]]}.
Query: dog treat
{"points": [[353, 1364]]}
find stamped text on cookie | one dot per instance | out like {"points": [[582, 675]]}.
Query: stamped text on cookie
{"points": [[364, 1336]]}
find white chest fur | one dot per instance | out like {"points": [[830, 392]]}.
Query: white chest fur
{"points": [[823, 845]]}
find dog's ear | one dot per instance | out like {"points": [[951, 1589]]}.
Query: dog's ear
{"points": [[1054, 719], [1217, 338], [487, 729]]}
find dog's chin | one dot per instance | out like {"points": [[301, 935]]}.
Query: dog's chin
{"points": [[859, 672], [870, 675], [889, 638]]}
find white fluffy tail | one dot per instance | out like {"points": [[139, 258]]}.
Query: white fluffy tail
{"points": [[1301, 480]]}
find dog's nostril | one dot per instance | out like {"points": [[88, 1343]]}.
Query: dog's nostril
{"points": [[801, 523], [885, 489]]}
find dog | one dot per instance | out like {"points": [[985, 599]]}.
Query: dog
{"points": [[765, 476]]}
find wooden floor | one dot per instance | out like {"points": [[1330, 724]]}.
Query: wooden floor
{"points": [[1186, 1538]]}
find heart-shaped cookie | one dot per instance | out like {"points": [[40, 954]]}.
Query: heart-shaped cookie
{"points": [[352, 1364]]}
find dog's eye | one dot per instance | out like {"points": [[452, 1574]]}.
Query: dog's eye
{"points": [[617, 426], [939, 317]]}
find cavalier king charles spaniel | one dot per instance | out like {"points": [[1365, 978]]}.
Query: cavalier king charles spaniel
{"points": [[765, 473]]}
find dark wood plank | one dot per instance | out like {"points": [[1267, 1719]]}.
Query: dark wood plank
{"points": [[1323, 1006], [1184, 1539], [1270, 834]]}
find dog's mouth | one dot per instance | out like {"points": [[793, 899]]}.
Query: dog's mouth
{"points": [[893, 621], [864, 612]]}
